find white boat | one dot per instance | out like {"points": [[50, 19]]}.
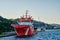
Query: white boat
{"points": [[40, 29]]}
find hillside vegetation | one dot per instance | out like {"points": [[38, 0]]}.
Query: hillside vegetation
{"points": [[5, 25]]}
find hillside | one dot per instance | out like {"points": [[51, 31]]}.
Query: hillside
{"points": [[56, 26], [5, 25]]}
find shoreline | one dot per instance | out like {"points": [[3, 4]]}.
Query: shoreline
{"points": [[6, 34]]}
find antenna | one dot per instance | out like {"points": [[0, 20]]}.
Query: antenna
{"points": [[26, 13]]}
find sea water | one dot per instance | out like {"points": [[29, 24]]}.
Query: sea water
{"points": [[44, 35]]}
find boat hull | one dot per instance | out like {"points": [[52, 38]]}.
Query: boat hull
{"points": [[24, 30]]}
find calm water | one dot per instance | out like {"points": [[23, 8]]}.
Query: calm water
{"points": [[47, 35]]}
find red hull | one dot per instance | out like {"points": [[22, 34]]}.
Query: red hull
{"points": [[23, 30]]}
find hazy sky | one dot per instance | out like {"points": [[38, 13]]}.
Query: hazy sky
{"points": [[47, 11]]}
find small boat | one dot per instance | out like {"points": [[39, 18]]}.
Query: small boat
{"points": [[40, 29], [24, 27]]}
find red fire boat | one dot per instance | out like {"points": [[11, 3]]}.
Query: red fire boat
{"points": [[24, 27]]}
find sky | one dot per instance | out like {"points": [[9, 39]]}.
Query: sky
{"points": [[47, 11]]}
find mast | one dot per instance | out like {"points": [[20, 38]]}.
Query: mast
{"points": [[26, 13]]}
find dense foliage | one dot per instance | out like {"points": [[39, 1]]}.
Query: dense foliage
{"points": [[5, 25]]}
